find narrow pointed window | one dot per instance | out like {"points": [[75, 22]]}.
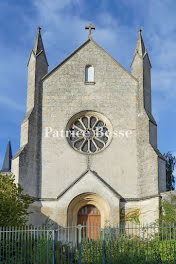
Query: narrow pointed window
{"points": [[89, 74]]}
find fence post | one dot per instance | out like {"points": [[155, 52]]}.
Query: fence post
{"points": [[103, 248], [53, 247], [79, 242]]}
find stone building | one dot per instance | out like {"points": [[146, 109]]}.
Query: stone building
{"points": [[81, 173]]}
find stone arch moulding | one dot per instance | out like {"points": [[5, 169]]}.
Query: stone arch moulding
{"points": [[85, 199], [89, 188]]}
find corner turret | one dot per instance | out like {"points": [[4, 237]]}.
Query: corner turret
{"points": [[6, 167], [141, 69], [37, 68]]}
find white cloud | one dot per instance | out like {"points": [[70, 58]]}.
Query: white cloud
{"points": [[65, 31], [11, 104]]}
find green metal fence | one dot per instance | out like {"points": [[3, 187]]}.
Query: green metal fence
{"points": [[85, 244]]}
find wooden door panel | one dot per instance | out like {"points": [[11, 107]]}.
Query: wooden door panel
{"points": [[90, 217]]}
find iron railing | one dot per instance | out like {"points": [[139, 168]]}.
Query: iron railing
{"points": [[88, 244]]}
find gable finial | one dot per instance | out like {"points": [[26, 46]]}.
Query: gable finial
{"points": [[90, 27], [38, 45], [38, 28], [140, 47]]}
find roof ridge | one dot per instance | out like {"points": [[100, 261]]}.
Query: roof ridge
{"points": [[64, 60], [81, 176], [76, 50]]}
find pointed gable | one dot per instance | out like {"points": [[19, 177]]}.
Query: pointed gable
{"points": [[82, 46], [85, 181]]}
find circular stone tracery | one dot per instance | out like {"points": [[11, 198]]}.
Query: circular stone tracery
{"points": [[89, 132]]}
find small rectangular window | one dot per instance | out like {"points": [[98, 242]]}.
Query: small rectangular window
{"points": [[89, 73]]}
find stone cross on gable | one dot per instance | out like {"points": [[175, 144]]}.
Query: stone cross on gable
{"points": [[90, 27]]}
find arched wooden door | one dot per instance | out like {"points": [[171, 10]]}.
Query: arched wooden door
{"points": [[89, 216]]}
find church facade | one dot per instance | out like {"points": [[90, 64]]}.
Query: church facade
{"points": [[89, 139]]}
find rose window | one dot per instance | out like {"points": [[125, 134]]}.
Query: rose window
{"points": [[89, 132]]}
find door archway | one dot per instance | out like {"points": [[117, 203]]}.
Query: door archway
{"points": [[90, 218], [87, 199], [89, 215]]}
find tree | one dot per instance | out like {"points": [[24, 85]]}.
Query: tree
{"points": [[170, 165], [14, 205]]}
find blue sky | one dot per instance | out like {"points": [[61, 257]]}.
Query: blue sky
{"points": [[62, 23]]}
